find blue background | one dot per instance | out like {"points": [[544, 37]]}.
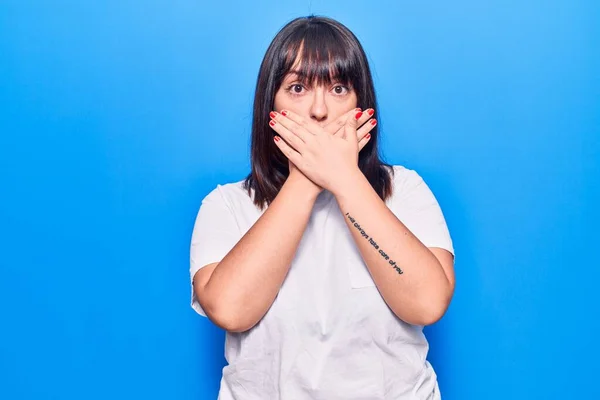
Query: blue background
{"points": [[117, 117]]}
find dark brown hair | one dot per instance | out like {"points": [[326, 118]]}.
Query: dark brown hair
{"points": [[329, 49]]}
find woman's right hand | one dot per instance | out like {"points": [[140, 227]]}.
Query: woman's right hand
{"points": [[335, 127]]}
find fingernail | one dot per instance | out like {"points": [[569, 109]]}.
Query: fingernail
{"points": [[371, 111], [272, 123], [358, 115], [284, 112], [272, 114], [368, 136], [373, 122], [276, 138]]}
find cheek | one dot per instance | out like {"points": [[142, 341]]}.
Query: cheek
{"points": [[353, 102], [280, 102], [344, 105], [284, 101]]}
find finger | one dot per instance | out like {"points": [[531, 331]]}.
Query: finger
{"points": [[289, 137], [363, 142], [308, 124], [295, 124], [366, 128], [350, 127], [288, 151], [335, 126], [364, 118]]}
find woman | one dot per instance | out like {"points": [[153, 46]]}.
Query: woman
{"points": [[325, 263]]}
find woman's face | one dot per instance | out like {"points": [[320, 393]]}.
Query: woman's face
{"points": [[322, 104]]}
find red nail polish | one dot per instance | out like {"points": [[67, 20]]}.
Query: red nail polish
{"points": [[368, 136], [371, 111], [272, 123], [277, 138], [373, 122], [284, 113], [358, 115], [272, 114]]}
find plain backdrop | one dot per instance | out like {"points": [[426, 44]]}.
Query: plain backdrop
{"points": [[118, 117]]}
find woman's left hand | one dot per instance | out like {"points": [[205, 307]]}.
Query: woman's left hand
{"points": [[324, 158]]}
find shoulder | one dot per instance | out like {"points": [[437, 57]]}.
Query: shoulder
{"points": [[405, 181], [228, 189], [404, 173], [231, 194]]}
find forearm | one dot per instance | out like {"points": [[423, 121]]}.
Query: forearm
{"points": [[245, 283], [408, 275]]}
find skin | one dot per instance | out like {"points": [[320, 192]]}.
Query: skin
{"points": [[319, 106], [236, 292], [321, 138], [415, 281]]}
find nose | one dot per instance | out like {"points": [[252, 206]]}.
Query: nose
{"points": [[318, 108]]}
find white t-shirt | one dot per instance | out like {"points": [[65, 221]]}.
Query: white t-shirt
{"points": [[329, 334]]}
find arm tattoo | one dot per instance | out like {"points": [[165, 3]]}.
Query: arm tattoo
{"points": [[374, 244]]}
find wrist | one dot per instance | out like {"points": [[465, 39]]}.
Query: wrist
{"points": [[346, 181], [302, 188]]}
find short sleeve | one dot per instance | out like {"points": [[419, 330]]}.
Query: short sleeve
{"points": [[215, 233], [416, 207]]}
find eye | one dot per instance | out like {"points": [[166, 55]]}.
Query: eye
{"points": [[342, 89], [295, 89]]}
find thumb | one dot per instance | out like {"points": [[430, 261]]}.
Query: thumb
{"points": [[351, 125]]}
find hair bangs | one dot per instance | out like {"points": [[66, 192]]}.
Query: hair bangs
{"points": [[321, 55]]}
